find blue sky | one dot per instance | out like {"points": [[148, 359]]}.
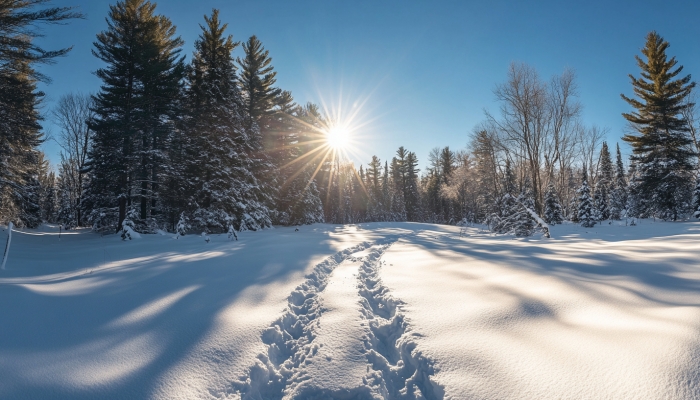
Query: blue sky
{"points": [[421, 72]]}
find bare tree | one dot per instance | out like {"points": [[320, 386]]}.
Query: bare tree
{"points": [[524, 121], [591, 138], [71, 115], [690, 113], [564, 111]]}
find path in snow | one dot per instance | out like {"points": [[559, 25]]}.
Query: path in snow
{"points": [[343, 337]]}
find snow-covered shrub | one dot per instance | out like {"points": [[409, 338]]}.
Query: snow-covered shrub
{"points": [[232, 232], [182, 225], [104, 219], [128, 226]]}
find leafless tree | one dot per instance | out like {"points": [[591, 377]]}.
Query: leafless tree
{"points": [[538, 128], [591, 139], [71, 115], [564, 111], [690, 113]]}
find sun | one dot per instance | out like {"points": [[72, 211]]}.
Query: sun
{"points": [[338, 137]]}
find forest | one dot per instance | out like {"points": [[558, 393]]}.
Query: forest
{"points": [[214, 145]]}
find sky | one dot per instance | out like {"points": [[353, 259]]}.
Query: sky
{"points": [[416, 74]]}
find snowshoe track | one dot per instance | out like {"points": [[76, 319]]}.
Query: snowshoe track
{"points": [[396, 370], [400, 370], [290, 338]]}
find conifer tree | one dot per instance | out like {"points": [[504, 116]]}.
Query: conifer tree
{"points": [[599, 203], [696, 198], [386, 194], [267, 106], [507, 207], [618, 197], [134, 112], [257, 80], [18, 22], [552, 208], [604, 183], [661, 144], [20, 137], [636, 204], [411, 194], [586, 211], [220, 135], [524, 222]]}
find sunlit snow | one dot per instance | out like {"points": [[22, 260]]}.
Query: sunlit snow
{"points": [[380, 310]]}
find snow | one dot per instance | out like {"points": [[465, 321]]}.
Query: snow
{"points": [[381, 310]]}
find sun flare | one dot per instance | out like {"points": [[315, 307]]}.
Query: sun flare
{"points": [[337, 137]]}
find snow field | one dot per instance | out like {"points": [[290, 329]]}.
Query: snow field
{"points": [[373, 311], [610, 312]]}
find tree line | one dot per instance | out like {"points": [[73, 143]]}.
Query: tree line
{"points": [[214, 145]]}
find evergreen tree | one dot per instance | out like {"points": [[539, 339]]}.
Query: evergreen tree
{"points": [[20, 135], [267, 106], [572, 203], [636, 204], [586, 210], [386, 194], [220, 167], [524, 222], [18, 21], [599, 203], [661, 143], [696, 198], [135, 110], [604, 183], [298, 200], [552, 208], [485, 169], [508, 211], [411, 193], [257, 80], [618, 197], [20, 138]]}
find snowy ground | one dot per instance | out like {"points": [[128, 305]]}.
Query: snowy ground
{"points": [[394, 311]]}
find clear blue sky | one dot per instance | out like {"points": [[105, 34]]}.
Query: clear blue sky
{"points": [[424, 71]]}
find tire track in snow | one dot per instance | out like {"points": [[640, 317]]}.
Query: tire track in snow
{"points": [[400, 370], [289, 339]]}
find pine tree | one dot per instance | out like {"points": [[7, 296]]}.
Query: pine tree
{"points": [[135, 111], [586, 211], [484, 155], [572, 202], [599, 203], [220, 168], [507, 207], [696, 198], [636, 204], [298, 201], [524, 222], [604, 183], [20, 138], [661, 144], [266, 105], [182, 225], [386, 194], [18, 22], [257, 80], [618, 197], [552, 208]]}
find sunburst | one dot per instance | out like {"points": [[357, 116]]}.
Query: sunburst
{"points": [[334, 138]]}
